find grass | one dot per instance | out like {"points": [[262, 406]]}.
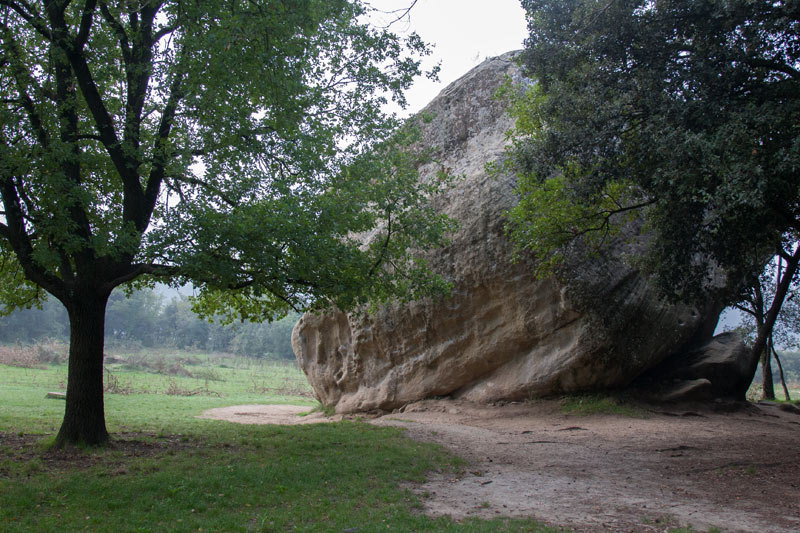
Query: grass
{"points": [[169, 471], [326, 410], [599, 404], [157, 400], [754, 393]]}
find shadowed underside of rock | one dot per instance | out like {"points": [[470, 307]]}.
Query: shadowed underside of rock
{"points": [[501, 334]]}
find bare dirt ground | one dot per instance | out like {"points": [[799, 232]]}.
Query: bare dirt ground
{"points": [[677, 467]]}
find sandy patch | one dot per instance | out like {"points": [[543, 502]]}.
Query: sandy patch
{"points": [[735, 471], [283, 415]]}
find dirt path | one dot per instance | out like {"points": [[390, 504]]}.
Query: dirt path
{"points": [[735, 471]]}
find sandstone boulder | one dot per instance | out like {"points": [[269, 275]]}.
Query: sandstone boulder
{"points": [[721, 362], [501, 334]]}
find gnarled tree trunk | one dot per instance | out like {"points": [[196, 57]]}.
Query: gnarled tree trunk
{"points": [[84, 417]]}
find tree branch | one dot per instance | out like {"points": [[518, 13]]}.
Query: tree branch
{"points": [[88, 137], [86, 23], [744, 309], [20, 73], [161, 146], [207, 186], [15, 234], [403, 14], [126, 165], [119, 31], [26, 11], [781, 290], [384, 247], [774, 65], [136, 270]]}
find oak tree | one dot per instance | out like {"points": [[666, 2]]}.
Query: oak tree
{"points": [[683, 112], [236, 144]]}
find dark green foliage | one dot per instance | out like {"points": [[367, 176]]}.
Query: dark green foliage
{"points": [[687, 111], [226, 143], [684, 113]]}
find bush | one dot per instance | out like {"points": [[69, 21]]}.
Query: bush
{"points": [[22, 356], [51, 352]]}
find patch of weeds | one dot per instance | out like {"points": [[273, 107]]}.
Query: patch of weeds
{"points": [[51, 352], [173, 389], [208, 374], [20, 356], [114, 386], [327, 410], [157, 364], [599, 404]]}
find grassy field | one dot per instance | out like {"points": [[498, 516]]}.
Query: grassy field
{"points": [[169, 471]]}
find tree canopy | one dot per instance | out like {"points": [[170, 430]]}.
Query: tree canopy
{"points": [[681, 112], [239, 145]]}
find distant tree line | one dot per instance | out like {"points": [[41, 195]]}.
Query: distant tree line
{"points": [[791, 366], [148, 319]]}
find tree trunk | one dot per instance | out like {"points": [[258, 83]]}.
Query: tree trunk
{"points": [[780, 371], [768, 390], [84, 416], [782, 288]]}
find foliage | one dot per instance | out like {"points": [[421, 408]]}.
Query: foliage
{"points": [[32, 325], [142, 319], [269, 340], [230, 143], [598, 404], [237, 144], [684, 111], [135, 317]]}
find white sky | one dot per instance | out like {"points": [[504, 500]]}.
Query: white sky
{"points": [[463, 33]]}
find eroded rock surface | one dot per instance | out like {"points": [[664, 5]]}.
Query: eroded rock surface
{"points": [[501, 334], [717, 368]]}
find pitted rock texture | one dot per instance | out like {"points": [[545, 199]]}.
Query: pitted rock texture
{"points": [[501, 334]]}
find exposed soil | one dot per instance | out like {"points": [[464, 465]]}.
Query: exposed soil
{"points": [[25, 448], [698, 467], [284, 415]]}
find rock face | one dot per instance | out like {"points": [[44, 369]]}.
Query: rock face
{"points": [[713, 369], [501, 334]]}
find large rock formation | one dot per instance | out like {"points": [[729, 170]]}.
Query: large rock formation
{"points": [[501, 334]]}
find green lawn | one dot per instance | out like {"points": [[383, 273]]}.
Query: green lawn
{"points": [[169, 471]]}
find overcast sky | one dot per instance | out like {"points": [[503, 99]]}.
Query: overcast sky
{"points": [[463, 33]]}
